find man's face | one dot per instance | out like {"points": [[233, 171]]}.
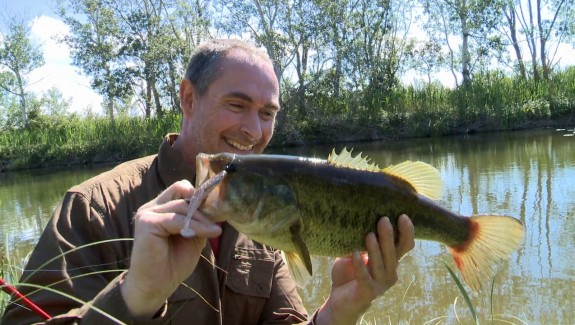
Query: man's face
{"points": [[236, 113]]}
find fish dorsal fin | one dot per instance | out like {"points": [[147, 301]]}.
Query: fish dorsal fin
{"points": [[424, 178], [345, 159], [298, 261]]}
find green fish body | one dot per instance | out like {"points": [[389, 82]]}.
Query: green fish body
{"points": [[307, 206]]}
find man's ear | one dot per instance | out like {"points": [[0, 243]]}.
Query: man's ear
{"points": [[187, 93]]}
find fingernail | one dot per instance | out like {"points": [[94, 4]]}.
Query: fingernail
{"points": [[216, 227], [187, 232]]}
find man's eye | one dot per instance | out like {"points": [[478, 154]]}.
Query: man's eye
{"points": [[269, 114], [236, 106]]}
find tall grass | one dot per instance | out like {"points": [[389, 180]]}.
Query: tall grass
{"points": [[493, 101], [84, 141], [11, 272]]}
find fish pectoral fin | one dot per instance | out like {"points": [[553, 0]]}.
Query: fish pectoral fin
{"points": [[298, 261], [297, 268], [424, 178]]}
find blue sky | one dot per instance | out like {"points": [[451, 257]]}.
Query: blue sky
{"points": [[31, 8], [58, 70]]}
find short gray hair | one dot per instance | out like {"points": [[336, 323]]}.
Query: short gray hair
{"points": [[206, 59]]}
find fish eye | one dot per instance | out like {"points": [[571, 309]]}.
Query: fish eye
{"points": [[230, 168]]}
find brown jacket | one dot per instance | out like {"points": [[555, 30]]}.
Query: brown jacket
{"points": [[93, 228]]}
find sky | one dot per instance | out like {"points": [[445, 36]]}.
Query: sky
{"points": [[58, 70]]}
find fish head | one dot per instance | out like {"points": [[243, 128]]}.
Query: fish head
{"points": [[251, 197]]}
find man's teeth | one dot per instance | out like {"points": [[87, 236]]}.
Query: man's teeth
{"points": [[239, 146]]}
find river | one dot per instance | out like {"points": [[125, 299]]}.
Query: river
{"points": [[526, 174]]}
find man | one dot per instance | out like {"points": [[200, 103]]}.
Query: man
{"points": [[229, 99]]}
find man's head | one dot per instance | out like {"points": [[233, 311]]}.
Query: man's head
{"points": [[229, 98]]}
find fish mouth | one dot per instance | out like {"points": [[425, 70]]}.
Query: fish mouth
{"points": [[208, 165], [202, 168]]}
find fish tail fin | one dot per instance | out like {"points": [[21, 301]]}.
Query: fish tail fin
{"points": [[491, 239]]}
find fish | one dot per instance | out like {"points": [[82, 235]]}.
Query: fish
{"points": [[306, 206]]}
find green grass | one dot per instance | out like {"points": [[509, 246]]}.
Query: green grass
{"points": [[11, 270], [77, 141], [493, 102]]}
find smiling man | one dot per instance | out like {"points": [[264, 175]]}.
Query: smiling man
{"points": [[229, 99]]}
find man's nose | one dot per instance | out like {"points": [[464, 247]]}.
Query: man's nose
{"points": [[251, 125]]}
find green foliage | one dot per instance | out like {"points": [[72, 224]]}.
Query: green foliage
{"points": [[493, 101], [74, 140], [19, 56]]}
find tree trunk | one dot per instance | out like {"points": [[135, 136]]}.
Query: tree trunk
{"points": [[542, 43], [465, 55], [111, 109], [532, 44], [23, 102], [512, 22]]}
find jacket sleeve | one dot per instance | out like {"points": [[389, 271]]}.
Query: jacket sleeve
{"points": [[74, 270]]}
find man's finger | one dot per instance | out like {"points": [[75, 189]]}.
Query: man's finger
{"points": [[387, 246], [178, 190], [406, 231]]}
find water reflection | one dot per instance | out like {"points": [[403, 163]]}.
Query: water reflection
{"points": [[528, 175], [523, 174], [27, 200]]}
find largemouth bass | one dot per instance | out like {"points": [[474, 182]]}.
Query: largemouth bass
{"points": [[308, 206]]}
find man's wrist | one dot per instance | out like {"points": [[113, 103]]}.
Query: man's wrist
{"points": [[334, 315], [139, 304]]}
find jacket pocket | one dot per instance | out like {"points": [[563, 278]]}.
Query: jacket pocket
{"points": [[251, 272]]}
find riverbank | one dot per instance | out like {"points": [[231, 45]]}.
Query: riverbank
{"points": [[132, 138], [493, 102]]}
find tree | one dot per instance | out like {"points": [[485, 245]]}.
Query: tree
{"points": [[18, 58], [135, 49], [261, 20], [187, 24], [54, 104], [95, 41], [428, 59], [472, 23], [545, 24], [512, 20]]}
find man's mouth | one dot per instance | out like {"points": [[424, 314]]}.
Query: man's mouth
{"points": [[238, 145]]}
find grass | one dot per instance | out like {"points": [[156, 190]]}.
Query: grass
{"points": [[490, 318], [493, 102], [13, 273], [77, 141], [11, 270]]}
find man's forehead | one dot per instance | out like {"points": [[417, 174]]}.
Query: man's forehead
{"points": [[239, 55]]}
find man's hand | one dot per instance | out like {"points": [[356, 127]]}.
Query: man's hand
{"points": [[359, 279], [161, 258]]}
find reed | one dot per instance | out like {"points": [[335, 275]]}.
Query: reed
{"points": [[11, 271], [77, 141], [494, 101]]}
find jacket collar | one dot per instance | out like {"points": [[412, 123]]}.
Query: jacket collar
{"points": [[171, 165]]}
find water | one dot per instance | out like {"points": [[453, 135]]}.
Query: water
{"points": [[529, 175]]}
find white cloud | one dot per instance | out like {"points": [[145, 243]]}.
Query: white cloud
{"points": [[565, 54], [58, 70]]}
